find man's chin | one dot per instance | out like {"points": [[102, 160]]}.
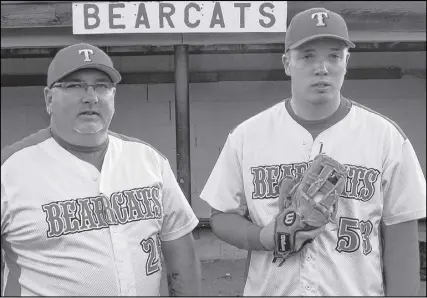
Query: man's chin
{"points": [[89, 129], [320, 100], [321, 97]]}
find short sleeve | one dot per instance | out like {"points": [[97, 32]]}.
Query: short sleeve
{"points": [[224, 189], [179, 218], [5, 214], [404, 185]]}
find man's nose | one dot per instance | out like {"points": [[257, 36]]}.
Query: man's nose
{"points": [[321, 68], [90, 96]]}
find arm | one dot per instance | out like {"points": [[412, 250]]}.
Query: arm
{"points": [[401, 259], [404, 188], [224, 192], [182, 266], [237, 230]]}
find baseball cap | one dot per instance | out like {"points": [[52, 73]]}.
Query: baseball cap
{"points": [[80, 56], [316, 23]]}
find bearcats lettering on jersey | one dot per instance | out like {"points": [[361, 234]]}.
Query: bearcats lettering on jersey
{"points": [[359, 185], [85, 214]]}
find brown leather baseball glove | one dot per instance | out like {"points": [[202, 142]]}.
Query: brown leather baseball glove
{"points": [[307, 206]]}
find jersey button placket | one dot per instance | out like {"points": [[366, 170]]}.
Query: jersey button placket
{"points": [[316, 148], [306, 147], [307, 271], [124, 266]]}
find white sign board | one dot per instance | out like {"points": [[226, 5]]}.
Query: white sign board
{"points": [[179, 17]]}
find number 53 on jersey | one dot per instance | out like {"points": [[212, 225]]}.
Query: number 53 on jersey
{"points": [[351, 233]]}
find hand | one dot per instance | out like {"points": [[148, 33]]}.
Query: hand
{"points": [[266, 235]]}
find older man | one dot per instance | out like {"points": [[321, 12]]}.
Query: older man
{"points": [[85, 211]]}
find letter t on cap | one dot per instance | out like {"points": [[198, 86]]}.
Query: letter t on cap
{"points": [[86, 52], [320, 16]]}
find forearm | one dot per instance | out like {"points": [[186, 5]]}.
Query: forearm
{"points": [[401, 259], [184, 281], [236, 230], [182, 268]]}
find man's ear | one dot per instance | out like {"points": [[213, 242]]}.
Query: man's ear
{"points": [[285, 61], [347, 58], [48, 99], [346, 61]]}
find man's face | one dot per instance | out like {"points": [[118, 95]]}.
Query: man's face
{"points": [[317, 69], [76, 109]]}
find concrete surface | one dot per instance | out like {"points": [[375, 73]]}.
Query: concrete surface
{"points": [[223, 266], [422, 291]]}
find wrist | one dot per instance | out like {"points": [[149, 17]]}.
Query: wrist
{"points": [[266, 237], [253, 238]]}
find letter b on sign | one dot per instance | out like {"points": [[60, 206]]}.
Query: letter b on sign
{"points": [[92, 15]]}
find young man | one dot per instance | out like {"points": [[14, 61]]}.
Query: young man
{"points": [[89, 212], [372, 249]]}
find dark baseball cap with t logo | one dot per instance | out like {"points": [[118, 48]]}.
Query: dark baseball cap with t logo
{"points": [[313, 24], [80, 56]]}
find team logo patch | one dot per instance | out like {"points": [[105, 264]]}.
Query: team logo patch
{"points": [[86, 53], [289, 218], [320, 16], [284, 240]]}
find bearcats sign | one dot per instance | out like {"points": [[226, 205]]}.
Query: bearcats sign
{"points": [[179, 17]]}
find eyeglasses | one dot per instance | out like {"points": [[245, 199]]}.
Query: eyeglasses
{"points": [[80, 88]]}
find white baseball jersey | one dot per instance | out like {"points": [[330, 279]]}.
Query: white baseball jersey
{"points": [[69, 230], [385, 184]]}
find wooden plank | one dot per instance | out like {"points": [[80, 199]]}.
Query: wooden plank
{"points": [[57, 14], [150, 50], [214, 76], [360, 15], [63, 36], [182, 118], [266, 38]]}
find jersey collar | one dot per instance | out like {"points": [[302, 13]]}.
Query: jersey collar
{"points": [[78, 148], [342, 111]]}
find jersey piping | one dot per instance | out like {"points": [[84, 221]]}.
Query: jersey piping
{"points": [[31, 140], [44, 134], [382, 116], [135, 140]]}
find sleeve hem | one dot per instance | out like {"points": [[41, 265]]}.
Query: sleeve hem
{"points": [[217, 205], [404, 217], [182, 231]]}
